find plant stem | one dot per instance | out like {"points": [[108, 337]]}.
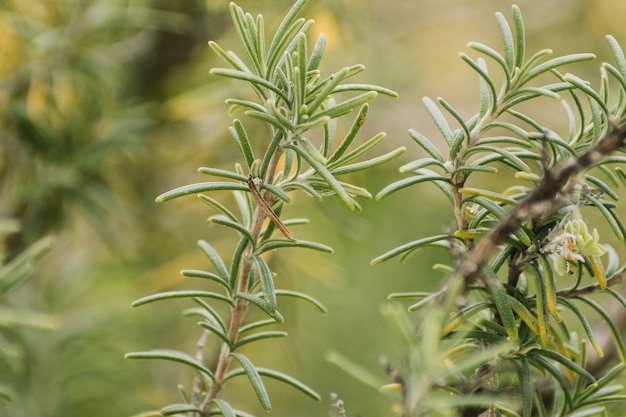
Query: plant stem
{"points": [[241, 306]]}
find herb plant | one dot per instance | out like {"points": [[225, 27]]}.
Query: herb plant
{"points": [[508, 332], [298, 105], [501, 336]]}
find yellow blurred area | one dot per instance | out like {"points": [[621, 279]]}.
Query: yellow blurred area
{"points": [[326, 23]]}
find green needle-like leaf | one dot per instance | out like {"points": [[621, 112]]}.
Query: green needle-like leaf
{"points": [[255, 80], [172, 355], [200, 188], [254, 378], [326, 175], [303, 296], [409, 247], [224, 407], [439, 119], [501, 301], [179, 294], [267, 282], [270, 334], [215, 258], [277, 243]]}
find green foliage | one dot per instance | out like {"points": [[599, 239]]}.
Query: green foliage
{"points": [[301, 153], [502, 335], [13, 353]]}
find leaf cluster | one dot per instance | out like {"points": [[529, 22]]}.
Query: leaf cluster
{"points": [[297, 105], [526, 287]]}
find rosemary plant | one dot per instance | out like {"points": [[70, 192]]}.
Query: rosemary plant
{"points": [[297, 104], [500, 338]]}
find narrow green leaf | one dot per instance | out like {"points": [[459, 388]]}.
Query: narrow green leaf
{"points": [[236, 261], [365, 87], [252, 79], [238, 132], [427, 145], [299, 74], [172, 355], [254, 378], [230, 58], [555, 63], [524, 313], [501, 301], [345, 106], [618, 54], [270, 334], [262, 305], [277, 243], [423, 302], [407, 182], [217, 331], [177, 409], [217, 205], [310, 191], [280, 125], [224, 407], [409, 247], [311, 149], [543, 317], [617, 335], [200, 188], [351, 135], [568, 363], [416, 165], [303, 296], [193, 273], [609, 215], [544, 364], [210, 313], [215, 258], [520, 36], [589, 412], [357, 152], [279, 376], [468, 169], [589, 92], [439, 119], [360, 166], [490, 195], [585, 323], [508, 62], [225, 221], [256, 325], [490, 99], [509, 157], [168, 295], [458, 139], [283, 34], [317, 53], [246, 30], [327, 89], [328, 177], [267, 282]]}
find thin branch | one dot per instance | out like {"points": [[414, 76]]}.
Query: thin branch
{"points": [[542, 202]]}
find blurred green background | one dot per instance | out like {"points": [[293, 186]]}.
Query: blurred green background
{"points": [[105, 104]]}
